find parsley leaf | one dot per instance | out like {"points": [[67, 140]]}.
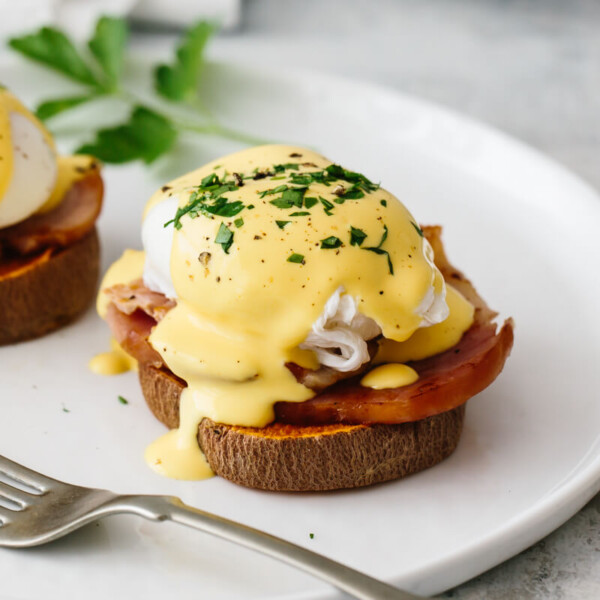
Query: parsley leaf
{"points": [[378, 250], [357, 236], [238, 222], [123, 400], [54, 49], [282, 224], [50, 108], [145, 136], [180, 80], [294, 196], [296, 258], [327, 206], [301, 213], [331, 242], [310, 202], [108, 46], [224, 237], [417, 228]]}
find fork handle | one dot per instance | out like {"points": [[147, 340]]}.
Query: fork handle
{"points": [[352, 582]]}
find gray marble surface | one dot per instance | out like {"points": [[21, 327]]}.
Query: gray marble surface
{"points": [[528, 67]]}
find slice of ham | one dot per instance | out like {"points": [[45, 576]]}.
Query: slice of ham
{"points": [[128, 298], [131, 332], [69, 222], [446, 380]]}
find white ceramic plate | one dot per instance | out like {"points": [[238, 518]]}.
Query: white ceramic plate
{"points": [[521, 226]]}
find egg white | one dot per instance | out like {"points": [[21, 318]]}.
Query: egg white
{"points": [[33, 175]]}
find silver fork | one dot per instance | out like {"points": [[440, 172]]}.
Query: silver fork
{"points": [[51, 509]]}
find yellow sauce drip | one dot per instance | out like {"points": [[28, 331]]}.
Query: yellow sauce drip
{"points": [[429, 341], [70, 170], [389, 376], [114, 362], [235, 327]]}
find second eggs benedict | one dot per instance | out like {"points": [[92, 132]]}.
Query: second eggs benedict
{"points": [[272, 280], [48, 245]]}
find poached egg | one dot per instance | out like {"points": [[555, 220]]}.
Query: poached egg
{"points": [[274, 255], [28, 162]]}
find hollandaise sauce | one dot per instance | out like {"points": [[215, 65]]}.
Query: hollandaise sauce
{"points": [[392, 375], [261, 240]]}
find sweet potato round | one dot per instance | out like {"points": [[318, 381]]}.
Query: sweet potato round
{"points": [[51, 293], [318, 458]]}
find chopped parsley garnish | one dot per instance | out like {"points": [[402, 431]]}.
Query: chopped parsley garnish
{"points": [[123, 400], [331, 242], [286, 166], [357, 236], [224, 237], [417, 228], [208, 199], [296, 258], [281, 203], [379, 250], [327, 206], [294, 195], [383, 202], [311, 536]]}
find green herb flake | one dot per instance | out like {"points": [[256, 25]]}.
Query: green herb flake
{"points": [[311, 536], [281, 203], [296, 258], [310, 202], [294, 196], [282, 224], [123, 400], [357, 236], [331, 243], [417, 228], [238, 222], [327, 206], [379, 250], [383, 202], [302, 213], [224, 237]]}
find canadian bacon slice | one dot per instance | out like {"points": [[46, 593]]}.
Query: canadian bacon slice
{"points": [[69, 222], [446, 380]]}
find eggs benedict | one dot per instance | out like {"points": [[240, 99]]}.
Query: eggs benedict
{"points": [[283, 313], [49, 256]]}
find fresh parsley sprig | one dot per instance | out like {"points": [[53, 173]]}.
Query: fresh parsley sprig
{"points": [[150, 131]]}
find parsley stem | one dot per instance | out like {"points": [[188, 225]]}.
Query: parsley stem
{"points": [[211, 127], [216, 129]]}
